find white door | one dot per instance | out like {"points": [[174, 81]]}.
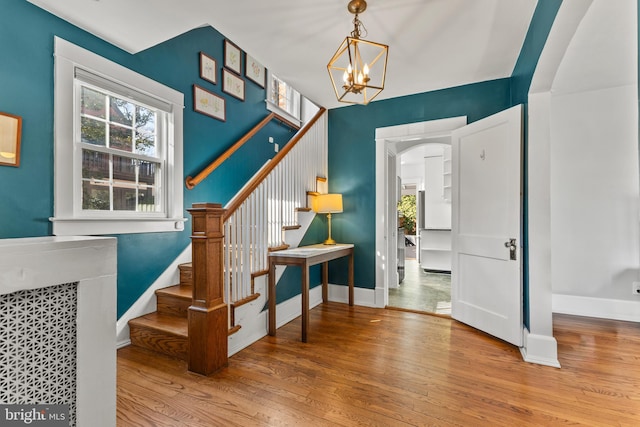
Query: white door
{"points": [[486, 279]]}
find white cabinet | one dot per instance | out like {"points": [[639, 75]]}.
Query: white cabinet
{"points": [[435, 249], [435, 236]]}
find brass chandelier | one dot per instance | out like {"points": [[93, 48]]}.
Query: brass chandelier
{"points": [[359, 66]]}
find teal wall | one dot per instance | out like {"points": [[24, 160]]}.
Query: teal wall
{"points": [[26, 90]]}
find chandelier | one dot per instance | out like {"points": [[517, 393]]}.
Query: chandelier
{"points": [[358, 67]]}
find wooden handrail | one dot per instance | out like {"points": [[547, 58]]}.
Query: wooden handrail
{"points": [[237, 201], [192, 182]]}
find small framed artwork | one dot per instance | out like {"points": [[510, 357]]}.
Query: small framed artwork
{"points": [[209, 103], [254, 71], [10, 130], [232, 57], [207, 68], [232, 84]]}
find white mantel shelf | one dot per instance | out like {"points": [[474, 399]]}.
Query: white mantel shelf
{"points": [[39, 262]]}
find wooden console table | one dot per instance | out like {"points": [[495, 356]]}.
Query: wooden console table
{"points": [[305, 257]]}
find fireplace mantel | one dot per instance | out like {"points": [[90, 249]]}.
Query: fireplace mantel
{"points": [[40, 262]]}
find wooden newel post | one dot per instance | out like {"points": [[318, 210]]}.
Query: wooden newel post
{"points": [[208, 324]]}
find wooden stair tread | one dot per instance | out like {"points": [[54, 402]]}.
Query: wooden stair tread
{"points": [[161, 322], [303, 209], [291, 227], [246, 300], [177, 291]]}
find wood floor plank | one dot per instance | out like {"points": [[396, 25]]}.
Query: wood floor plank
{"points": [[365, 366]]}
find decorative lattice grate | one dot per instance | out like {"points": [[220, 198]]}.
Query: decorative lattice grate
{"points": [[38, 347]]}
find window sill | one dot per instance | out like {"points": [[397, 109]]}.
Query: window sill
{"points": [[92, 227], [275, 109]]}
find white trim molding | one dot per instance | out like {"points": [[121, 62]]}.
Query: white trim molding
{"points": [[602, 308], [539, 349]]}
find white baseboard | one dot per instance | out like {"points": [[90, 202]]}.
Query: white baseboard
{"points": [[540, 349], [257, 326], [361, 296], [147, 302], [597, 307]]}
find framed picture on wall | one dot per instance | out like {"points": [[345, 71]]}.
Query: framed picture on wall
{"points": [[254, 71], [10, 130], [232, 57], [209, 103], [232, 84], [207, 68]]}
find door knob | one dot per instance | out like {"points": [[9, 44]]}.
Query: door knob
{"points": [[511, 245]]}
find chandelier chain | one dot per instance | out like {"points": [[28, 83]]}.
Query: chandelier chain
{"points": [[359, 29]]}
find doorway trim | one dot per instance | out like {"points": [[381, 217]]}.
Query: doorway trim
{"points": [[396, 139]]}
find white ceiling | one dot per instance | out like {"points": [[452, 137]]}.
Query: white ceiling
{"points": [[433, 44]]}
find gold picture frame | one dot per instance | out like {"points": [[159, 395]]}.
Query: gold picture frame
{"points": [[10, 131]]}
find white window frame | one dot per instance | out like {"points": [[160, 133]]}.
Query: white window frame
{"points": [[294, 101], [69, 219]]}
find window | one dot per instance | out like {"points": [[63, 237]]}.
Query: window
{"points": [[283, 99], [118, 146]]}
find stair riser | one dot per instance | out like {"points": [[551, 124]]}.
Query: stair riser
{"points": [[157, 341], [186, 275], [173, 306]]}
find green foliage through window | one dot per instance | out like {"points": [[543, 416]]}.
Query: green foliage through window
{"points": [[407, 210]]}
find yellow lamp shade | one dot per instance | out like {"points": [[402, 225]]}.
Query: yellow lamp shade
{"points": [[328, 203]]}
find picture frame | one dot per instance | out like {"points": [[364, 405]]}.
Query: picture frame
{"points": [[208, 103], [10, 134], [233, 84], [232, 57], [208, 69], [255, 71]]}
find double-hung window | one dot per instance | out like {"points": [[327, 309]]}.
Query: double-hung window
{"points": [[118, 147], [283, 98]]}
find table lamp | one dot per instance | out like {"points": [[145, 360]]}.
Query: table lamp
{"points": [[328, 204]]}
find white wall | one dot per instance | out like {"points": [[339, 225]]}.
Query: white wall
{"points": [[594, 195]]}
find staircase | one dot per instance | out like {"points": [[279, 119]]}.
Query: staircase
{"points": [[166, 330], [251, 226]]}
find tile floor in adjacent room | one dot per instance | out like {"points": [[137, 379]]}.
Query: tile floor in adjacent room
{"points": [[422, 291]]}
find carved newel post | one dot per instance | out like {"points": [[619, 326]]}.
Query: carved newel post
{"points": [[208, 324]]}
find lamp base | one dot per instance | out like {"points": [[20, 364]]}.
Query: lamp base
{"points": [[329, 242]]}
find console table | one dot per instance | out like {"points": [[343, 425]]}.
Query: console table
{"points": [[305, 257]]}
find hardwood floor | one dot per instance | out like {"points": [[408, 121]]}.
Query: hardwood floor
{"points": [[365, 366]]}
